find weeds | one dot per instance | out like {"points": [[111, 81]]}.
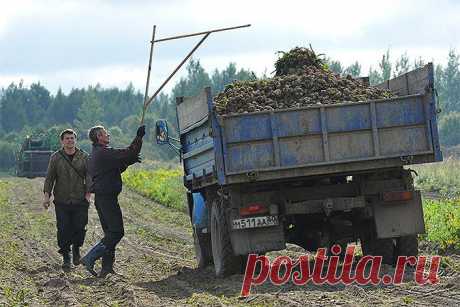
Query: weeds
{"points": [[15, 297], [442, 222], [12, 258], [442, 217], [441, 178], [162, 185]]}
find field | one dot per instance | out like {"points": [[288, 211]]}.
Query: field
{"points": [[441, 180], [155, 260]]}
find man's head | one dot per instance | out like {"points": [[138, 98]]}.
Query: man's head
{"points": [[98, 135], [68, 139]]}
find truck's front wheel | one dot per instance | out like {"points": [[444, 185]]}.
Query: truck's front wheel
{"points": [[202, 242], [225, 261]]}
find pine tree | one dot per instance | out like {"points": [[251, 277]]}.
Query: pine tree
{"points": [[385, 66], [353, 70], [418, 63], [402, 65], [375, 77], [90, 112], [13, 116], [451, 84], [334, 66]]}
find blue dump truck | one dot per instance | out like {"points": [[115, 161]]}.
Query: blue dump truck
{"points": [[312, 176]]}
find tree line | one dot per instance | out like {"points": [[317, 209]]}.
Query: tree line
{"points": [[447, 85], [34, 110]]}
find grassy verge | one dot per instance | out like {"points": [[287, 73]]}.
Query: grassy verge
{"points": [[442, 178], [162, 185], [442, 217], [16, 289], [442, 222]]}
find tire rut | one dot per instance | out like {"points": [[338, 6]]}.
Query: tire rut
{"points": [[156, 265]]}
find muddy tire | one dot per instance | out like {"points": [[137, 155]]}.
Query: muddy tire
{"points": [[202, 244], [372, 246], [407, 246], [258, 267], [386, 249], [225, 261]]}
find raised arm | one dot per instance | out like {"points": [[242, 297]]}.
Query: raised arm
{"points": [[123, 157]]}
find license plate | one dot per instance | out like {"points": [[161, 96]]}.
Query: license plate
{"points": [[255, 222]]}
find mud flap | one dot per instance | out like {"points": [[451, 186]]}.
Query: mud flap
{"points": [[396, 219], [257, 240]]}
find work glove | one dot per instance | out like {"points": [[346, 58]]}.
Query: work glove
{"points": [[141, 131]]}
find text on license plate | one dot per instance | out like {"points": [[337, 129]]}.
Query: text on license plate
{"points": [[254, 222]]}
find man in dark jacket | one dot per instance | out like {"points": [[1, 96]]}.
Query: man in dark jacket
{"points": [[105, 166], [67, 178]]}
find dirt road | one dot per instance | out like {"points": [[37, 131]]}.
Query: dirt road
{"points": [[155, 264]]}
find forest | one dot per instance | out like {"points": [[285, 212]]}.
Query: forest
{"points": [[33, 110]]}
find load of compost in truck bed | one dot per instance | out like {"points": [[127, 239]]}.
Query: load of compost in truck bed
{"points": [[301, 79]]}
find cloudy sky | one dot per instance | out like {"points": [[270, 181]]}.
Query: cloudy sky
{"points": [[67, 43]]}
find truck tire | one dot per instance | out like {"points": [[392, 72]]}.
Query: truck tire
{"points": [[203, 253], [407, 246], [372, 246], [384, 248], [225, 261], [258, 267]]}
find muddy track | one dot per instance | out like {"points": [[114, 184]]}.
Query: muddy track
{"points": [[155, 265]]}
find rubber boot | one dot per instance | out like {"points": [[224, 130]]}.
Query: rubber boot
{"points": [[76, 255], [96, 252], [107, 264], [66, 262]]}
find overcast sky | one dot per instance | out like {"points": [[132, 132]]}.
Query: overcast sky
{"points": [[79, 43]]}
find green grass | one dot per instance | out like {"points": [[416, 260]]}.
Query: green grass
{"points": [[442, 222], [442, 217], [16, 289], [442, 178], [162, 185]]}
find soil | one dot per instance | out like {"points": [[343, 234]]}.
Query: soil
{"points": [[155, 265]]}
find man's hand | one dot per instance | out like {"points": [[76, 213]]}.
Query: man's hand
{"points": [[46, 201], [141, 131], [88, 197]]}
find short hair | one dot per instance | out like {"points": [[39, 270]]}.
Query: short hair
{"points": [[67, 131], [93, 132]]}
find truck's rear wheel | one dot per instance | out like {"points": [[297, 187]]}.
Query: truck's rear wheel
{"points": [[407, 246], [373, 246], [202, 243], [225, 261], [258, 266], [384, 248]]}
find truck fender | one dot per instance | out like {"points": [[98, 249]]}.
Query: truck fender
{"points": [[199, 211]]}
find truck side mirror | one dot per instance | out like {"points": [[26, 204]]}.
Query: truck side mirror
{"points": [[161, 132]]}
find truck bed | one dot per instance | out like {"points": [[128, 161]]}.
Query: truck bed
{"points": [[315, 140]]}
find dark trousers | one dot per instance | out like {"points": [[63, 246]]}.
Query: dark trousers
{"points": [[111, 219], [71, 221]]}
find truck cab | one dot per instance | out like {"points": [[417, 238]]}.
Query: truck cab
{"points": [[33, 157]]}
